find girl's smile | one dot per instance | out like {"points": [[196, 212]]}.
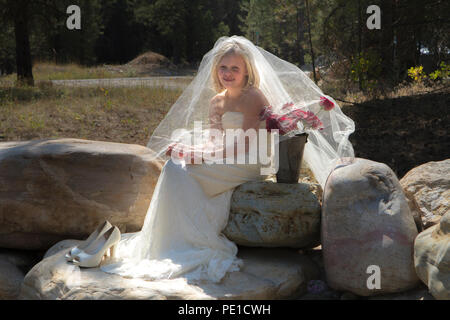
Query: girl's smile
{"points": [[232, 71]]}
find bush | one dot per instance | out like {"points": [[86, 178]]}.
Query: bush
{"points": [[441, 73], [417, 74], [366, 70]]}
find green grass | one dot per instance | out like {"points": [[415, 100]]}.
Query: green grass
{"points": [[127, 115], [44, 71]]}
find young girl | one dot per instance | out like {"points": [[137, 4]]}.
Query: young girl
{"points": [[182, 232], [236, 80], [181, 235]]}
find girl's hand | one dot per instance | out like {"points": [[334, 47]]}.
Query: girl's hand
{"points": [[170, 149], [193, 155], [186, 152], [175, 150]]}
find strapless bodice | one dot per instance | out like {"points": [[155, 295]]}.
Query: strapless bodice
{"points": [[234, 120]]}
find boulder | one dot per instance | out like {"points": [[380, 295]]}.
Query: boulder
{"points": [[432, 258], [266, 274], [419, 293], [58, 189], [13, 266], [268, 214], [367, 230], [429, 186], [63, 188], [11, 278]]}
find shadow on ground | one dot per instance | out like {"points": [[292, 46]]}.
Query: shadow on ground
{"points": [[403, 132]]}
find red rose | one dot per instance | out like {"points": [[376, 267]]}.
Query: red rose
{"points": [[287, 105], [288, 122], [326, 103]]}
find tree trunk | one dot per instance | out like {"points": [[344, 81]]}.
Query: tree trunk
{"points": [[300, 35], [310, 42], [387, 47], [360, 85], [23, 51]]}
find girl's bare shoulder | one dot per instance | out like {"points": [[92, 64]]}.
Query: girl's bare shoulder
{"points": [[255, 100], [217, 103]]}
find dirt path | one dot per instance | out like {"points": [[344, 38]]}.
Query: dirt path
{"points": [[175, 82]]}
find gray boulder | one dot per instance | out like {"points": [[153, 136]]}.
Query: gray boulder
{"points": [[266, 274], [432, 258], [367, 230], [13, 266], [429, 186], [267, 214]]}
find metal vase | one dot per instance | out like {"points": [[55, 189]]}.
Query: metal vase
{"points": [[290, 158]]}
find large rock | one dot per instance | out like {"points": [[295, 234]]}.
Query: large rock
{"points": [[266, 274], [432, 258], [10, 280], [63, 188], [58, 189], [429, 186], [366, 221], [13, 266], [419, 293], [267, 214]]}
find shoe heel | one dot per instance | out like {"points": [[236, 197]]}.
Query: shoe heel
{"points": [[113, 251]]}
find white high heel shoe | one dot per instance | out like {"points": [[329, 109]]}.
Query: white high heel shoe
{"points": [[92, 256], [101, 229]]}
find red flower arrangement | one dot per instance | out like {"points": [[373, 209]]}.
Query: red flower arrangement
{"points": [[326, 103], [288, 122]]}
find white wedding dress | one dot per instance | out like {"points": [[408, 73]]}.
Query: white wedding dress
{"points": [[181, 235]]}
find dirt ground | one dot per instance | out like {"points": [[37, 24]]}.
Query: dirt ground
{"points": [[404, 132]]}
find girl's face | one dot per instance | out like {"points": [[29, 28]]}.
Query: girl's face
{"points": [[232, 71]]}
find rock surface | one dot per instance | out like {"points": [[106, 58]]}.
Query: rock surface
{"points": [[266, 274], [429, 186], [10, 280], [63, 188], [267, 214], [432, 258], [366, 221], [13, 266], [419, 293]]}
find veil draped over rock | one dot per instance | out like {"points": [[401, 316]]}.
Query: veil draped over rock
{"points": [[285, 86]]}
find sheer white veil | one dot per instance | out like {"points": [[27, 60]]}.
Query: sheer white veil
{"points": [[281, 82]]}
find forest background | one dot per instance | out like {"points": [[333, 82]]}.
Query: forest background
{"points": [[392, 81]]}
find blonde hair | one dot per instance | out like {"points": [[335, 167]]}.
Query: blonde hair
{"points": [[237, 49]]}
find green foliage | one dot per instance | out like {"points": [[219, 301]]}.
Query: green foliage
{"points": [[116, 31], [280, 26], [185, 30], [417, 74], [366, 69], [442, 73], [7, 50]]}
